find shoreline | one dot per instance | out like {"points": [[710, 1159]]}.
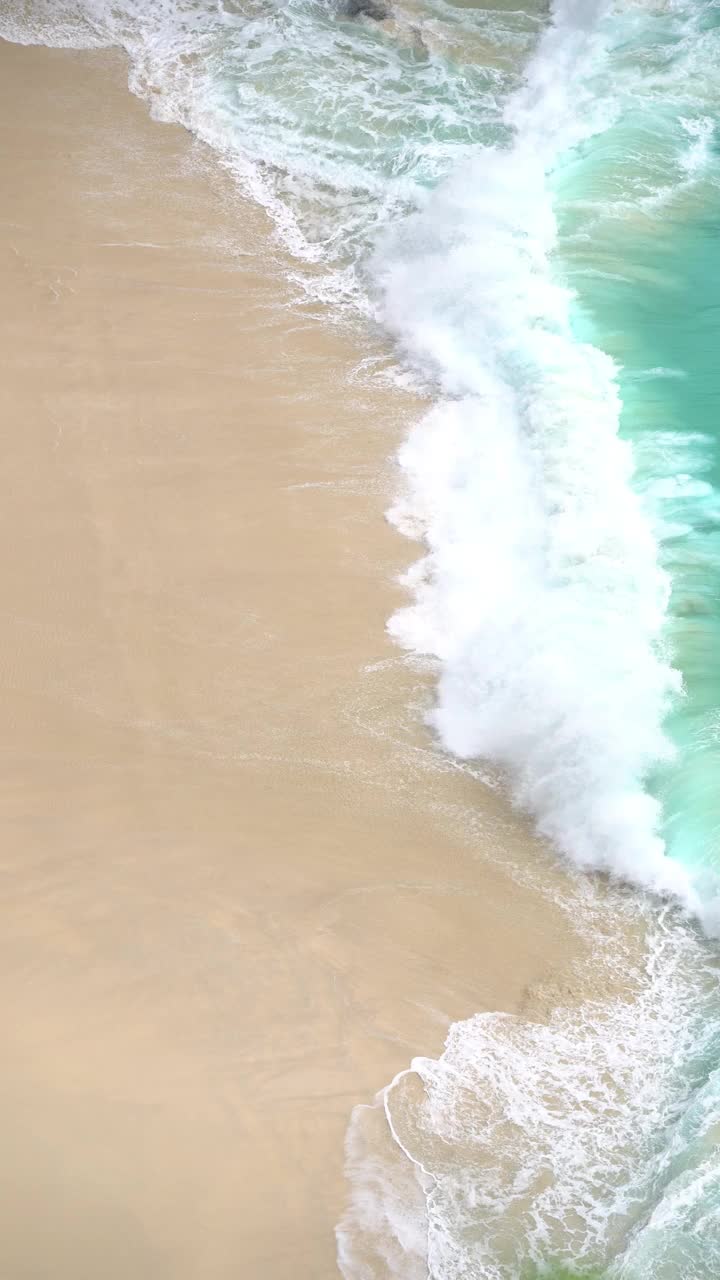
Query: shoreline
{"points": [[244, 889]]}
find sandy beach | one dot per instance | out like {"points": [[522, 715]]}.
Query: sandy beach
{"points": [[241, 887]]}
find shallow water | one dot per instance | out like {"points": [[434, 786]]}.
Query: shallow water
{"points": [[528, 203]]}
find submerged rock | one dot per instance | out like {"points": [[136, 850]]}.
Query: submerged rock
{"points": [[375, 9]]}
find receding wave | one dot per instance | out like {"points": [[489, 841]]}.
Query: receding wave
{"points": [[578, 1147]]}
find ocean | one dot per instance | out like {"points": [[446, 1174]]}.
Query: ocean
{"points": [[526, 200]]}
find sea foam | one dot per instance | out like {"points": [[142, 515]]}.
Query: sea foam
{"points": [[541, 594], [534, 1148], [585, 1144]]}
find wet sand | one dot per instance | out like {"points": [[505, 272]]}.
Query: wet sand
{"points": [[241, 888]]}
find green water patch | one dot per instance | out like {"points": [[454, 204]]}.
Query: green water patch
{"points": [[647, 280]]}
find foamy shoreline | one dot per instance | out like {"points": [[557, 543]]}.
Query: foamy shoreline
{"points": [[243, 892]]}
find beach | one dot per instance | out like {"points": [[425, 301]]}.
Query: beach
{"points": [[242, 885]]}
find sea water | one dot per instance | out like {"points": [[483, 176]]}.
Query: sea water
{"points": [[527, 198]]}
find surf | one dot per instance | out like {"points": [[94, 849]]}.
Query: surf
{"points": [[518, 197], [586, 1146]]}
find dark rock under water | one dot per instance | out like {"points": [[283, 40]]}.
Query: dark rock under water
{"points": [[367, 9]]}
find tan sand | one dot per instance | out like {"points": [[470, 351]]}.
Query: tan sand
{"points": [[241, 888]]}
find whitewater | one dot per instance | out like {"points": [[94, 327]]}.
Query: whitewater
{"points": [[526, 200]]}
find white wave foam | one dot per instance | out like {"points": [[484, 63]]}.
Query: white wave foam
{"points": [[541, 592], [333, 126], [587, 1142], [59, 24], [529, 1145]]}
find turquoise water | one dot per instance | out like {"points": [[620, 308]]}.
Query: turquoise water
{"points": [[640, 244], [665, 316], [527, 198]]}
